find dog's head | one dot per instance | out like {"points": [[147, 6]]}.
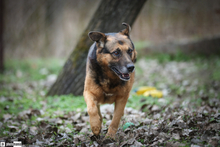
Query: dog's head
{"points": [[115, 52]]}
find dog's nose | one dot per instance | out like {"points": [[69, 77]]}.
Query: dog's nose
{"points": [[130, 67]]}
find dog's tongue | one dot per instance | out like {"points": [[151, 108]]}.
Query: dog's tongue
{"points": [[125, 75]]}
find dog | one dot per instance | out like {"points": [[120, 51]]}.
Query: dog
{"points": [[109, 76]]}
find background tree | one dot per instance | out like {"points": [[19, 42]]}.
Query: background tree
{"points": [[108, 18]]}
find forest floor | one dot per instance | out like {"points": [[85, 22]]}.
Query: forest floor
{"points": [[188, 114]]}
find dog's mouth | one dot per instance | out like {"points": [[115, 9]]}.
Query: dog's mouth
{"points": [[122, 76]]}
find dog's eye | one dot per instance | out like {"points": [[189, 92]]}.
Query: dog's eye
{"points": [[116, 53], [129, 51]]}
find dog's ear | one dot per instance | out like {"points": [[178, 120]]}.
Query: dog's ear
{"points": [[127, 30], [98, 37]]}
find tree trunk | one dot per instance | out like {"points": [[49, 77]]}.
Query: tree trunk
{"points": [[108, 18], [1, 36]]}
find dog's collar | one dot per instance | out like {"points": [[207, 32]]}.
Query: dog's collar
{"points": [[108, 94]]}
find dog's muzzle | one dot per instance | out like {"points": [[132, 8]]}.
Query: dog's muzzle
{"points": [[124, 73]]}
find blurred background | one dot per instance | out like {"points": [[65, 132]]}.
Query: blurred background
{"points": [[177, 73], [51, 28]]}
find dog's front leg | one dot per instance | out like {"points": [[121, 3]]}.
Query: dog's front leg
{"points": [[95, 117], [118, 113]]}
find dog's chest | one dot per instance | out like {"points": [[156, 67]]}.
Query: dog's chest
{"points": [[108, 98], [108, 94]]}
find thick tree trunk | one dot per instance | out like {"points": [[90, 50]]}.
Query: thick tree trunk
{"points": [[108, 18], [1, 37]]}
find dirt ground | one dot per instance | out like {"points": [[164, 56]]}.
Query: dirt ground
{"points": [[188, 114]]}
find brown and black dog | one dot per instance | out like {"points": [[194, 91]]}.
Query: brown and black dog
{"points": [[109, 76]]}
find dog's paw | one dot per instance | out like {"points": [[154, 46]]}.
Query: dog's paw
{"points": [[111, 133], [96, 130]]}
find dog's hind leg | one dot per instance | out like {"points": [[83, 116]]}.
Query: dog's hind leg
{"points": [[95, 117]]}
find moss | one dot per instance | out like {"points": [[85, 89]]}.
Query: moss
{"points": [[81, 49]]}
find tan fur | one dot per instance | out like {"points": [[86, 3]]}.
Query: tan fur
{"points": [[95, 94]]}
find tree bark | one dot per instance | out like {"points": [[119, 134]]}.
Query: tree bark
{"points": [[1, 36], [108, 18]]}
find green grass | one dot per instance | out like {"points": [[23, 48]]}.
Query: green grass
{"points": [[14, 83], [17, 96], [30, 69], [19, 73], [216, 69], [137, 101], [65, 103], [16, 102]]}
